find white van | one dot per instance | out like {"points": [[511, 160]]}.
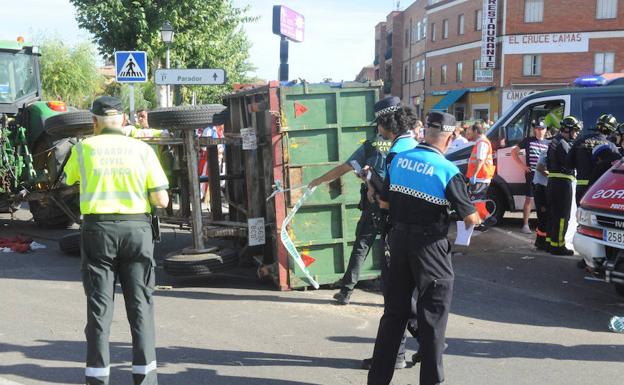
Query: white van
{"points": [[586, 104]]}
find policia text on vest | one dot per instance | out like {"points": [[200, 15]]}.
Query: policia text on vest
{"points": [[120, 178]]}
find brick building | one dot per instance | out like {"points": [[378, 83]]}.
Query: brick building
{"points": [[388, 61], [538, 45], [366, 74]]}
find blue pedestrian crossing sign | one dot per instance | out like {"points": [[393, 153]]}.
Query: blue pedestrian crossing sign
{"points": [[131, 66]]}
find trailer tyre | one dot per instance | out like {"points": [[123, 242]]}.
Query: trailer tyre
{"points": [[69, 124], [198, 265], [70, 244], [185, 117]]}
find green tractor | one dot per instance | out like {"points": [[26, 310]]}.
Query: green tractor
{"points": [[35, 141]]}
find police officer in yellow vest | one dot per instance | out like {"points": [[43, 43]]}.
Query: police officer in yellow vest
{"points": [[120, 178]]}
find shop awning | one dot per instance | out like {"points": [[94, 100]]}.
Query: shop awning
{"points": [[449, 99]]}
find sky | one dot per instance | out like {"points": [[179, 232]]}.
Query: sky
{"points": [[339, 34]]}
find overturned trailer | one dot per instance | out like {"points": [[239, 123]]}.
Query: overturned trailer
{"points": [[283, 134]]}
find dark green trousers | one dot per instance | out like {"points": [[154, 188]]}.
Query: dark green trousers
{"points": [[119, 251]]}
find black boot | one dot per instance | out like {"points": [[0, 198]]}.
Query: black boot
{"points": [[343, 296]]}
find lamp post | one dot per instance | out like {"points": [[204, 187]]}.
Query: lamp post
{"points": [[166, 34]]}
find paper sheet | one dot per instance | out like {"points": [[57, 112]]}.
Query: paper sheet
{"points": [[463, 234]]}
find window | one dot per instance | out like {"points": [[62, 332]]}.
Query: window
{"points": [[405, 75], [593, 107], [422, 65], [606, 9], [443, 74], [445, 29], [532, 65], [418, 35], [433, 32], [417, 65], [533, 11], [460, 72], [478, 19], [424, 30], [476, 65], [407, 36], [460, 25], [604, 62]]}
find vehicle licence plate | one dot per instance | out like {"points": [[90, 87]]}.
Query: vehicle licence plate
{"points": [[613, 236]]}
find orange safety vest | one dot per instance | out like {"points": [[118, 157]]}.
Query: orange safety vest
{"points": [[486, 173]]}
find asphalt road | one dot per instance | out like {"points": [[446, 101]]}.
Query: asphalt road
{"points": [[518, 317]]}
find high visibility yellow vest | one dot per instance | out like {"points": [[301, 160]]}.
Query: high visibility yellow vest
{"points": [[116, 174]]}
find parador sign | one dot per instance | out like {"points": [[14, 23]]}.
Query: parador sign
{"points": [[488, 34]]}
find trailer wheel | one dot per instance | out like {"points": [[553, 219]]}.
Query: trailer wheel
{"points": [[199, 265], [70, 244], [69, 124], [187, 116]]}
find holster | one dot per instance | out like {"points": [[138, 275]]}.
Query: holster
{"points": [[155, 226]]}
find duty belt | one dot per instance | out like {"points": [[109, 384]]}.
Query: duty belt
{"points": [[117, 217], [559, 175], [418, 229]]}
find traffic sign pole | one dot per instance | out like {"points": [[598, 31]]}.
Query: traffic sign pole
{"points": [[131, 102]]}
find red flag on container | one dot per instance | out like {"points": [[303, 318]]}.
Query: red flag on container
{"points": [[307, 260], [300, 109]]}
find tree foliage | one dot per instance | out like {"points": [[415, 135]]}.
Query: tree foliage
{"points": [[208, 34], [69, 73]]}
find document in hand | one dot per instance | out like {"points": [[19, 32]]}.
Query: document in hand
{"points": [[463, 234]]}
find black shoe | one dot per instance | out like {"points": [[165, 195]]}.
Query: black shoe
{"points": [[416, 357], [343, 297], [482, 228], [399, 364], [540, 244], [561, 250], [490, 221]]}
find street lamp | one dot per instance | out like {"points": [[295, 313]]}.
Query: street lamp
{"points": [[166, 34]]}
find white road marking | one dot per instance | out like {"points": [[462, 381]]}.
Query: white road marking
{"points": [[8, 382]]}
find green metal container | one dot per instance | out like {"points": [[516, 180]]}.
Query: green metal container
{"points": [[324, 124]]}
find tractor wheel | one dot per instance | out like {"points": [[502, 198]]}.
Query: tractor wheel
{"points": [[186, 117], [70, 244], [69, 124], [49, 155]]}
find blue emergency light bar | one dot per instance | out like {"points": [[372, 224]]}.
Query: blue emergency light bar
{"points": [[597, 80]]}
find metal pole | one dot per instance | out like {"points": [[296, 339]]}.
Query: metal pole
{"points": [[196, 211], [167, 64], [131, 101], [283, 68]]}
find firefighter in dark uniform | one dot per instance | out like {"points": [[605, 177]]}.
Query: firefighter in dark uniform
{"points": [[120, 179], [580, 155], [559, 189], [420, 188]]}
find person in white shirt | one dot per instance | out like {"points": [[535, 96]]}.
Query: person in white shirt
{"points": [[459, 140]]}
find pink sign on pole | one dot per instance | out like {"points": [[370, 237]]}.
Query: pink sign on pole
{"points": [[288, 23]]}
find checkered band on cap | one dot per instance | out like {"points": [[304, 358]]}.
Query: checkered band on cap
{"points": [[387, 111], [419, 195]]}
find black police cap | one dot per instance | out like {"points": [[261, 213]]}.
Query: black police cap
{"points": [[387, 106], [106, 106], [442, 121]]}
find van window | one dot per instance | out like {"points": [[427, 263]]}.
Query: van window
{"points": [[593, 107], [551, 112]]}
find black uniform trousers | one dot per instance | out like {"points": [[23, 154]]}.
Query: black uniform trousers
{"points": [[366, 232], [559, 195], [421, 264], [119, 251], [541, 208], [580, 191]]}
